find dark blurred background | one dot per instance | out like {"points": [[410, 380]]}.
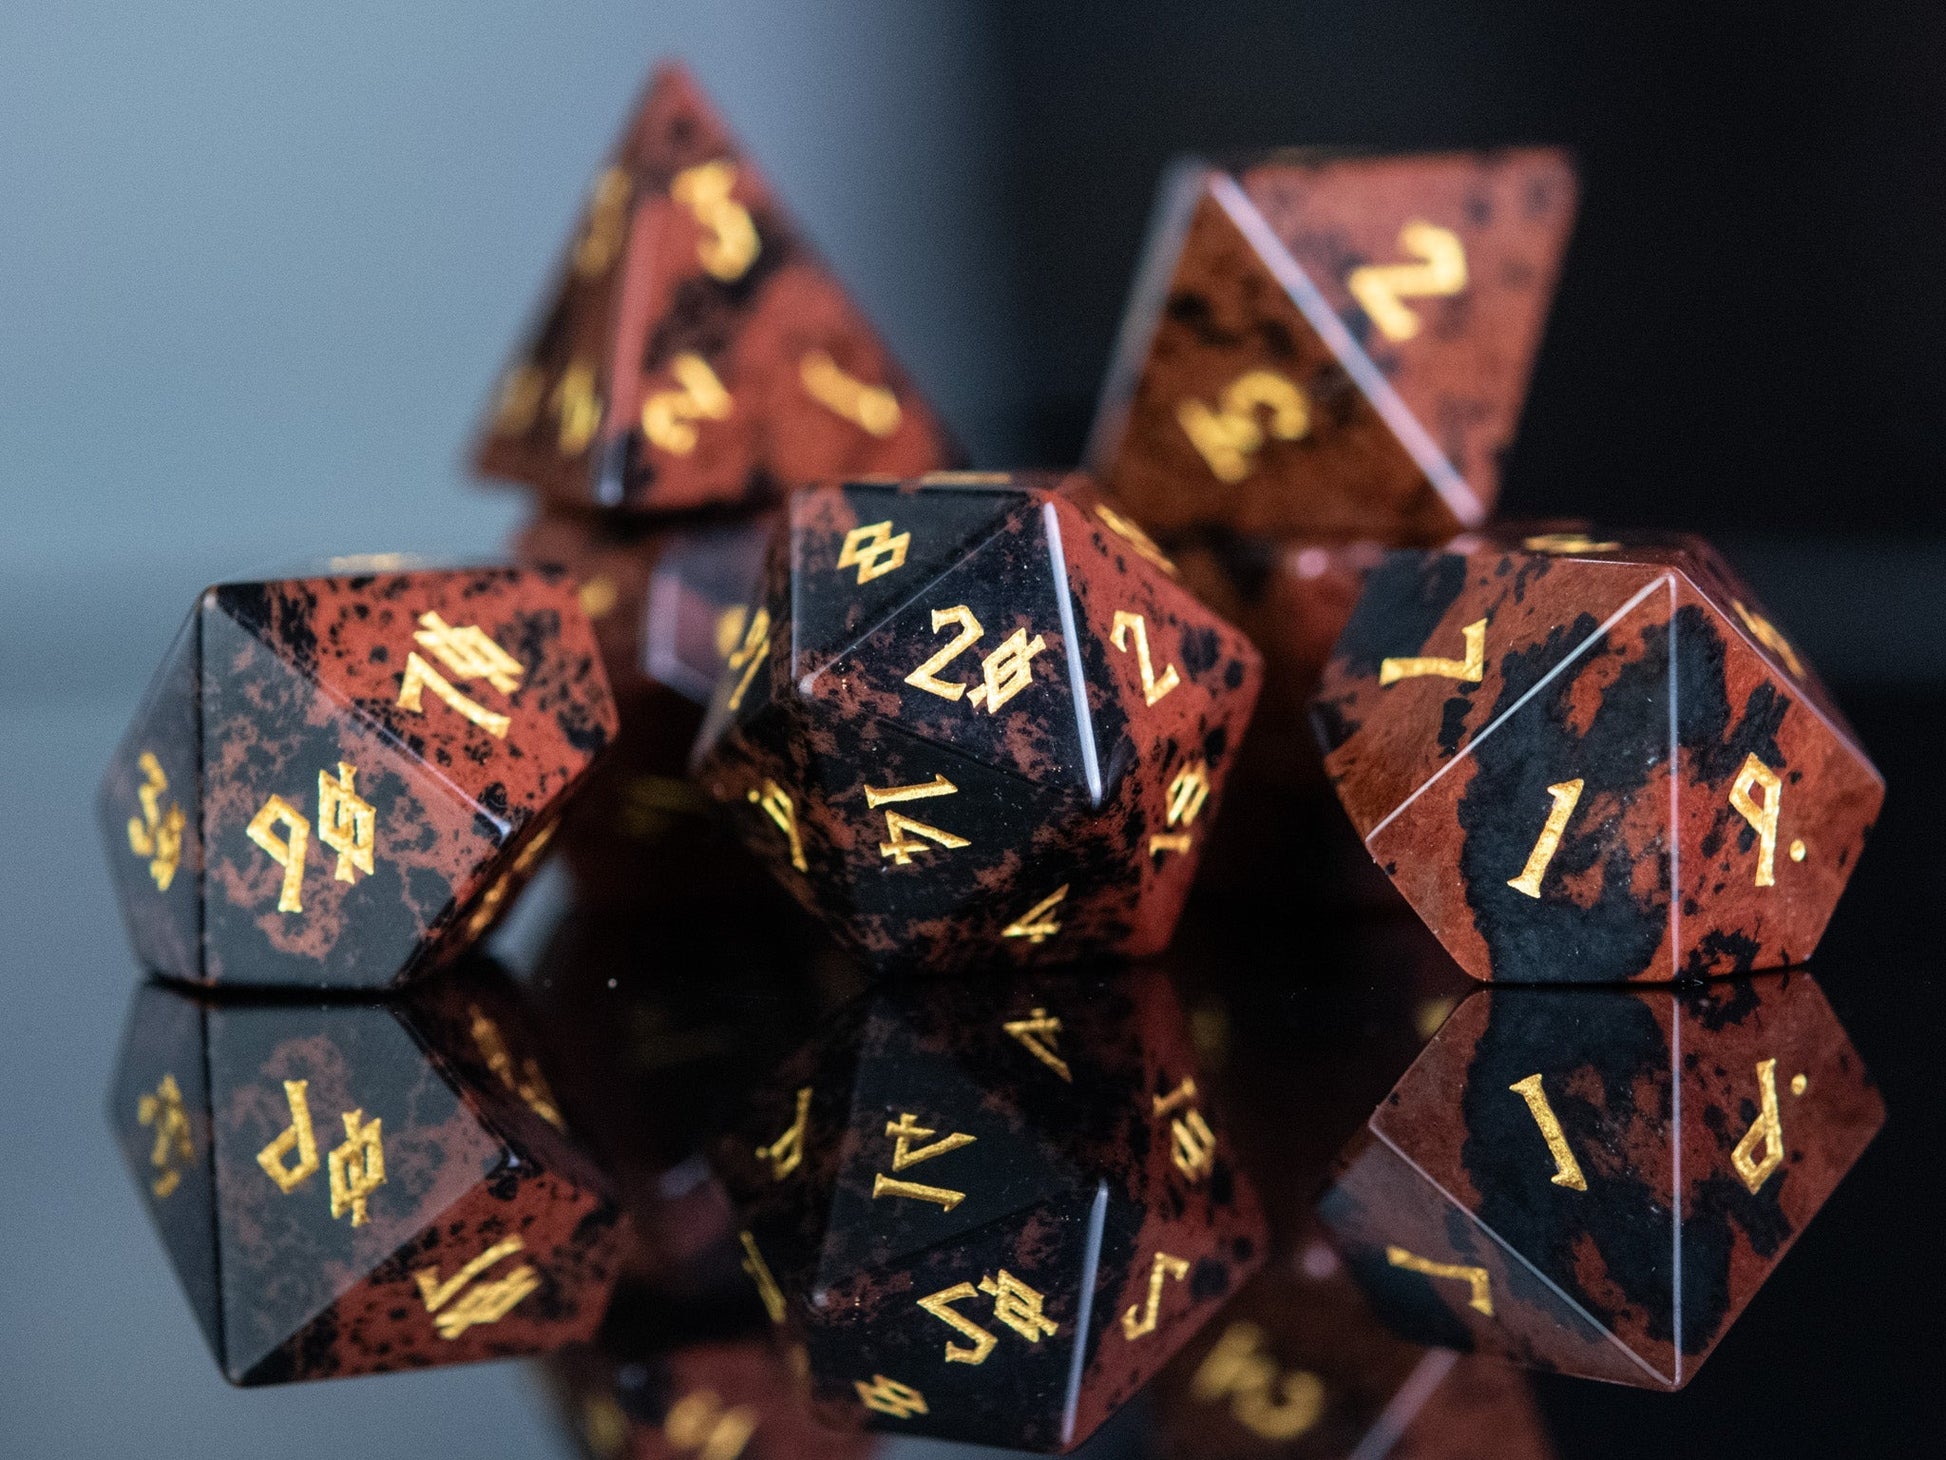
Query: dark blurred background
{"points": [[259, 266]]}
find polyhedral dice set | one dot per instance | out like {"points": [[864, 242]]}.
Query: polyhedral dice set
{"points": [[962, 1022]]}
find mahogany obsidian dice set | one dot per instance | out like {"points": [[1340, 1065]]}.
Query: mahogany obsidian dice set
{"points": [[980, 726]]}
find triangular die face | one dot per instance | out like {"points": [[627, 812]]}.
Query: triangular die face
{"points": [[149, 809], [1443, 268], [285, 1256], [269, 732], [160, 1112], [861, 550], [888, 1205], [1541, 853], [1774, 803], [1231, 348]]}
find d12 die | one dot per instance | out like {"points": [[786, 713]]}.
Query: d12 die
{"points": [[1597, 1181], [975, 719], [1333, 345], [696, 352], [1592, 758], [1297, 1368], [991, 1214], [357, 1187], [338, 780]]}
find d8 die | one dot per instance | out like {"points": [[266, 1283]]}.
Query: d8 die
{"points": [[1333, 345], [975, 719], [337, 780], [1592, 758], [357, 1187], [696, 352], [991, 1214], [1597, 1181]]}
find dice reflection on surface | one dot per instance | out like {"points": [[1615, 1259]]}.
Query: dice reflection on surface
{"points": [[1297, 1368], [992, 1214], [1332, 345], [1592, 757], [696, 352], [337, 781], [974, 719], [351, 1188], [1597, 1181]]}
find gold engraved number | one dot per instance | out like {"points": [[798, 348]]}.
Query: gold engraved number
{"points": [[482, 1303], [1378, 288], [874, 551], [1135, 537], [1470, 670], [786, 1153], [1037, 924], [904, 1131], [1007, 671], [156, 834], [164, 1111], [286, 851], [699, 1422], [1566, 543], [1187, 793], [1476, 1278], [759, 1270], [296, 1137], [1767, 1130], [1229, 437], [925, 677], [357, 1167], [1193, 1148], [577, 407], [729, 244], [1762, 815], [468, 654], [1038, 1032], [872, 408], [902, 830], [1238, 1368], [601, 240], [1014, 1304], [889, 1396], [1140, 1320], [1766, 634], [775, 802], [1567, 1170], [669, 417], [1565, 795], [748, 657], [348, 827], [1153, 688]]}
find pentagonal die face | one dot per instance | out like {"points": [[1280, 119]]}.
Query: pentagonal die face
{"points": [[334, 777], [1597, 1181], [1590, 758], [976, 720], [696, 353], [338, 1199], [1333, 346], [993, 1215]]}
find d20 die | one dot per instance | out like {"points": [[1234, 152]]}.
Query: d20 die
{"points": [[974, 719], [1333, 345], [357, 1187], [1592, 757], [1296, 1367], [992, 1214], [336, 781], [1597, 1181], [696, 352]]}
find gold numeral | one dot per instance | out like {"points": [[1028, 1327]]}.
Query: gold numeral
{"points": [[1005, 672], [482, 1303], [1239, 1369], [786, 1153], [601, 240], [1765, 632], [1567, 1170], [1229, 437], [945, 1198], [775, 802], [872, 408], [1470, 670], [699, 1422], [577, 408], [1015, 1305], [1767, 1130], [901, 830], [297, 1136], [1038, 1032], [874, 551], [1153, 688], [889, 1396], [1379, 288], [1192, 1142], [669, 417], [729, 245], [469, 653], [164, 1112], [157, 834], [925, 677], [1136, 538], [1762, 815], [1140, 1320], [759, 1270], [356, 1167], [1481, 1298], [1565, 543], [904, 1131], [1037, 924], [346, 824], [745, 659], [286, 851], [1187, 793], [1565, 795]]}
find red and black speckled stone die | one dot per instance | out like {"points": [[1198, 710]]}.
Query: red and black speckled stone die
{"points": [[1329, 345], [356, 1187], [697, 352], [1297, 1368], [1596, 1181], [975, 720], [339, 781], [1592, 758], [992, 1213]]}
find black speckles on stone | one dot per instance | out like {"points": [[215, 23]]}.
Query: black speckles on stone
{"points": [[1201, 647], [1721, 951], [1452, 721], [1404, 599]]}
